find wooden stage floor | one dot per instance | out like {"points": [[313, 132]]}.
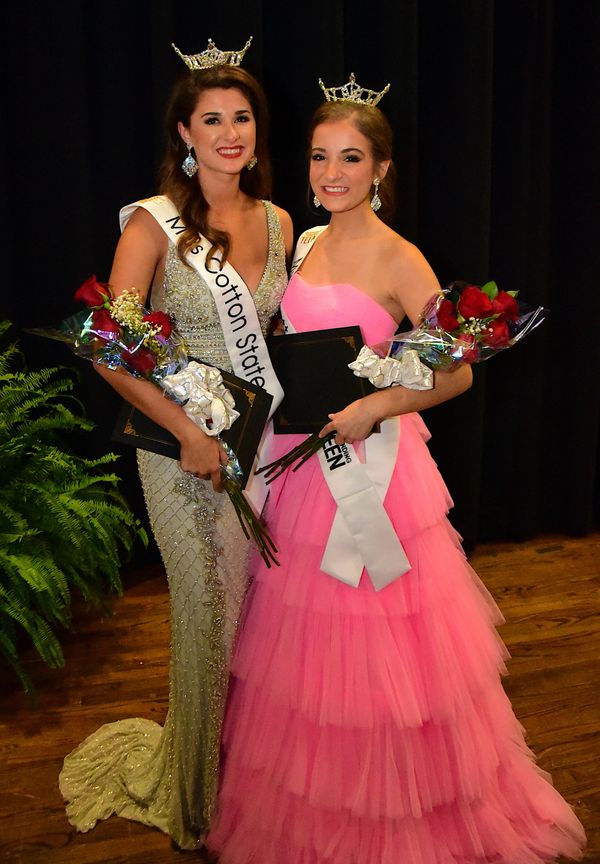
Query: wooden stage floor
{"points": [[548, 590]]}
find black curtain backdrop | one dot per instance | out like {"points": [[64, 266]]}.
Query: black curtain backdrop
{"points": [[495, 111]]}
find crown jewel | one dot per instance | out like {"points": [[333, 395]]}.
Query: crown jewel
{"points": [[352, 92], [213, 56]]}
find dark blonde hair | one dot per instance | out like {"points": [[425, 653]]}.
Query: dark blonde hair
{"points": [[185, 192], [373, 124]]}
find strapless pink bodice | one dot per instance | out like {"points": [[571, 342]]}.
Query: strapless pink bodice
{"points": [[316, 307]]}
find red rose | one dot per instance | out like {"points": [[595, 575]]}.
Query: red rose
{"points": [[141, 361], [93, 293], [497, 334], [103, 322], [506, 306], [162, 320], [469, 350], [446, 317], [473, 303]]}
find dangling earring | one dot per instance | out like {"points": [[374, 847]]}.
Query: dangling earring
{"points": [[252, 163], [316, 202], [189, 164], [376, 200]]}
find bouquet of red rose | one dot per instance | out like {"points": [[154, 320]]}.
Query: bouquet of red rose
{"points": [[120, 333], [463, 324]]}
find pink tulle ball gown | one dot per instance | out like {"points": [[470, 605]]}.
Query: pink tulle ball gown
{"points": [[371, 727]]}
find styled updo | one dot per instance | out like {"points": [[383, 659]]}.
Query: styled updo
{"points": [[373, 124]]}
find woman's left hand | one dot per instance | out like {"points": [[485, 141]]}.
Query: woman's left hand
{"points": [[354, 423]]}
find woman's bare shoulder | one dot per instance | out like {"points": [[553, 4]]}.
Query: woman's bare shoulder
{"points": [[412, 279], [140, 250], [142, 224]]}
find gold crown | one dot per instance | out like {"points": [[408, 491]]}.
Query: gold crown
{"points": [[352, 92], [213, 56]]}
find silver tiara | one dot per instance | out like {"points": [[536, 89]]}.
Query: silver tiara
{"points": [[213, 56], [352, 92]]}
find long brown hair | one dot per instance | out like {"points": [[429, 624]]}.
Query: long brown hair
{"points": [[373, 124], [185, 192]]}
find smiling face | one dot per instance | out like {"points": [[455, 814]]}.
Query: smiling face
{"points": [[222, 131], [342, 168]]}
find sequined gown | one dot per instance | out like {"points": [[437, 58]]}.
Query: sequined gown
{"points": [[167, 776]]}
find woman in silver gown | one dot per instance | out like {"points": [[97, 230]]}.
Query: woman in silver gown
{"points": [[167, 776]]}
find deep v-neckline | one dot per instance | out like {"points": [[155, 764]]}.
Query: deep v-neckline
{"points": [[262, 280]]}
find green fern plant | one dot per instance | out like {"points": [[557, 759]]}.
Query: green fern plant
{"points": [[63, 522]]}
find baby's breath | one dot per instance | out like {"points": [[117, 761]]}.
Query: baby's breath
{"points": [[475, 326], [128, 311]]}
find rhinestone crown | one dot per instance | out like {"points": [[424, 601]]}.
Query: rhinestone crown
{"points": [[213, 56], [352, 92]]}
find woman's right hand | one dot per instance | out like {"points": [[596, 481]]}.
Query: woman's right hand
{"points": [[202, 456]]}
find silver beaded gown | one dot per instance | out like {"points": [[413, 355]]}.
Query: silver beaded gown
{"points": [[166, 776]]}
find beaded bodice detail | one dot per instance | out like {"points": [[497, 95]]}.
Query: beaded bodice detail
{"points": [[186, 297]]}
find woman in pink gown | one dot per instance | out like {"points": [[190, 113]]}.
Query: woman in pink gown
{"points": [[370, 726]]}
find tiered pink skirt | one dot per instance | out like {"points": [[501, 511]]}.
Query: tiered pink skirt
{"points": [[371, 727]]}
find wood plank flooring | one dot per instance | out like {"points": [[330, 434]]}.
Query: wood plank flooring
{"points": [[548, 589]]}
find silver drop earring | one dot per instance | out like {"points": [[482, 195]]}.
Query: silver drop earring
{"points": [[189, 164], [252, 163], [316, 202], [376, 200]]}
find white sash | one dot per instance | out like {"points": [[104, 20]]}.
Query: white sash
{"points": [[362, 534], [237, 313], [244, 341], [304, 245]]}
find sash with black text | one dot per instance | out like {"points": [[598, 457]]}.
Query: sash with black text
{"points": [[237, 314], [362, 534]]}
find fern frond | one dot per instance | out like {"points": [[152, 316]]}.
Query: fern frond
{"points": [[63, 522], [8, 650], [11, 517], [40, 632], [39, 571], [8, 356]]}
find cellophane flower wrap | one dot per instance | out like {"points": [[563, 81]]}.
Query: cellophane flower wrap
{"points": [[462, 324], [118, 332]]}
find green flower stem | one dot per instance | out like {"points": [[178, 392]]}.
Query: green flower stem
{"points": [[251, 525]]}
